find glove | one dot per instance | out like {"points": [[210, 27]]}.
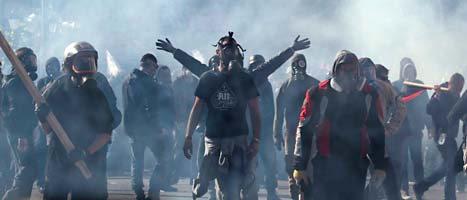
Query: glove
{"points": [[300, 44], [165, 45], [188, 147], [77, 154], [301, 176], [42, 110], [378, 177]]}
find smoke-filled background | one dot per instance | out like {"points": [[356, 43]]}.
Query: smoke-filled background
{"points": [[432, 32]]}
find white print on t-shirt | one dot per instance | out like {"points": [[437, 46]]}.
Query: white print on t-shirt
{"points": [[224, 98]]}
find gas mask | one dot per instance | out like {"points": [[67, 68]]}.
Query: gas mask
{"points": [[84, 64], [52, 70], [299, 69], [230, 51], [84, 67], [347, 77], [29, 62]]}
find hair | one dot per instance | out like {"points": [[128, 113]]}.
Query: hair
{"points": [[457, 77], [148, 56]]}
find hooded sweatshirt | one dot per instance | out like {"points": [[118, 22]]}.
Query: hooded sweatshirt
{"points": [[346, 125], [416, 118]]}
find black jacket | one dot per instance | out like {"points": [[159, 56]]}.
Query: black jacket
{"points": [[140, 104], [289, 102], [104, 85], [439, 107], [82, 111], [185, 86], [459, 109], [18, 107]]}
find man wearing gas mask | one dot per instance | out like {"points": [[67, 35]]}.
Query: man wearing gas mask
{"points": [[288, 104], [141, 100], [343, 114], [260, 70], [52, 68], [226, 94], [20, 122], [83, 111]]}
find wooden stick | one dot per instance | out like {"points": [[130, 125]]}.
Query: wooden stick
{"points": [[51, 119], [430, 87]]}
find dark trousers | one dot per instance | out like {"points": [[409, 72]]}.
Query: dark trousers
{"points": [[267, 161], [395, 150], [63, 177], [159, 146], [25, 167], [391, 183], [289, 141], [199, 159], [6, 164], [41, 156], [448, 151], [337, 178], [412, 146]]}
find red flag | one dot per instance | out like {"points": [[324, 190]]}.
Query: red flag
{"points": [[412, 96]]}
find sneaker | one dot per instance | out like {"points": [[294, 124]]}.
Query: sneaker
{"points": [[405, 195]]}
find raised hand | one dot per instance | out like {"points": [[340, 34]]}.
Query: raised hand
{"points": [[300, 44], [165, 45]]}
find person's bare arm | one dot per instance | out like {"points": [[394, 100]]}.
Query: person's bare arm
{"points": [[255, 117], [193, 121]]}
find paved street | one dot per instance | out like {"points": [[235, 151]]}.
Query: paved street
{"points": [[119, 189]]}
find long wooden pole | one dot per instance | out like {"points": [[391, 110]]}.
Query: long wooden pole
{"points": [[431, 87], [51, 119]]}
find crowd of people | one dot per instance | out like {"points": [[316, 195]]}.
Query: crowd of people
{"points": [[336, 133]]}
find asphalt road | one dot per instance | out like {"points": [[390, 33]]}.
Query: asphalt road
{"points": [[119, 189]]}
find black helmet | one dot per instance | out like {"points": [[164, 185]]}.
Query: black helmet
{"points": [[255, 60], [83, 66]]}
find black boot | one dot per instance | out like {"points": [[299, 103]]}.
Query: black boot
{"points": [[140, 194], [294, 192], [419, 189]]}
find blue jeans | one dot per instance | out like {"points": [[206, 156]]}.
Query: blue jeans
{"points": [[159, 146]]}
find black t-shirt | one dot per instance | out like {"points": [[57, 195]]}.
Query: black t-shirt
{"points": [[82, 111], [227, 98]]}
